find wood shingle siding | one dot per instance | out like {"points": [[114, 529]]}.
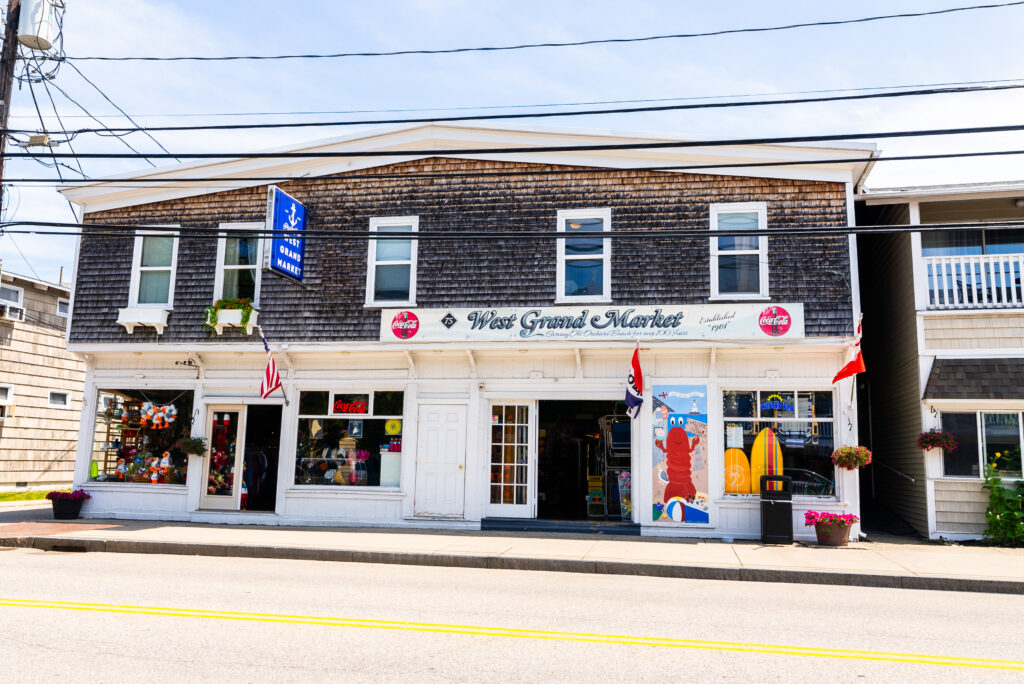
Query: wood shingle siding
{"points": [[329, 306]]}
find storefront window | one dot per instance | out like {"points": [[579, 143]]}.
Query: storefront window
{"points": [[510, 442], [991, 438], [137, 436], [801, 427], [362, 449]]}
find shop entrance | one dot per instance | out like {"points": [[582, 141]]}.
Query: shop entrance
{"points": [[241, 466], [584, 451]]}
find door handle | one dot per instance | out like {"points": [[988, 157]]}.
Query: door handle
{"points": [[460, 466]]}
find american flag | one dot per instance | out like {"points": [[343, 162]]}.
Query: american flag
{"points": [[271, 378]]}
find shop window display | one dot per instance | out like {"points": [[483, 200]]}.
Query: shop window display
{"points": [[349, 439], [138, 436], [985, 438], [782, 433]]}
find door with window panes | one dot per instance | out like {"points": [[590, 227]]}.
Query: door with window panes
{"points": [[512, 466]]}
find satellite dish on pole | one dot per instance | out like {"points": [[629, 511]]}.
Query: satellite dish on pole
{"points": [[37, 28]]}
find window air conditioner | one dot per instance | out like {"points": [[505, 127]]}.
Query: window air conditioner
{"points": [[12, 313]]}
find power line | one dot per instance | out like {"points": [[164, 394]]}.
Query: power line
{"points": [[678, 144], [82, 107], [105, 97], [543, 115], [527, 46], [130, 182], [535, 105], [123, 230], [23, 257]]}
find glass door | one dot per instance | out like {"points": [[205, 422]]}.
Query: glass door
{"points": [[512, 486], [222, 475]]}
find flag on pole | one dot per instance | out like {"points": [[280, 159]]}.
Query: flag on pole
{"points": [[855, 366], [635, 387], [271, 378]]}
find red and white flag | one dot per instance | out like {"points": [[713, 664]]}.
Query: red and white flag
{"points": [[271, 378], [855, 366]]}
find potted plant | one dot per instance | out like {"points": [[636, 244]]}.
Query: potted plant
{"points": [[832, 529], [851, 457], [936, 438], [237, 313], [67, 504], [193, 446]]}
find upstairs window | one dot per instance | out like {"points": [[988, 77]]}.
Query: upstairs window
{"points": [[391, 263], [154, 262], [11, 295], [972, 242], [739, 263], [584, 263], [63, 307], [239, 263]]}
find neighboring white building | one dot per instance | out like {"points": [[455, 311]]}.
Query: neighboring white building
{"points": [[944, 342]]}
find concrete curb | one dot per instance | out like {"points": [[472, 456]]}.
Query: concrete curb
{"points": [[72, 544]]}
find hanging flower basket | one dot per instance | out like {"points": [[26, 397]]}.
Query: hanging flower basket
{"points": [[936, 438], [67, 505], [851, 457], [832, 529]]}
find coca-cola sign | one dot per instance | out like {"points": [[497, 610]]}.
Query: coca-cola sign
{"points": [[739, 321], [350, 403], [405, 325], [775, 321]]}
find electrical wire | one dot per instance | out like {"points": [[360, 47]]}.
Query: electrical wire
{"points": [[126, 230], [114, 135], [678, 144], [23, 257], [220, 183], [577, 43], [536, 105], [107, 98], [544, 115]]}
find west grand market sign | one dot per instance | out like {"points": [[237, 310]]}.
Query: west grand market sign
{"points": [[704, 322]]}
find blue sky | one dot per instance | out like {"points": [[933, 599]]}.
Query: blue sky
{"points": [[970, 46]]}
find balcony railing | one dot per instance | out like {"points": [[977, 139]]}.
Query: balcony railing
{"points": [[975, 282]]}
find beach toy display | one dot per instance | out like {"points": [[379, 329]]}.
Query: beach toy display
{"points": [[765, 459], [737, 472]]}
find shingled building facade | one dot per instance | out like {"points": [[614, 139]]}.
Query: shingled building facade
{"points": [[453, 373]]}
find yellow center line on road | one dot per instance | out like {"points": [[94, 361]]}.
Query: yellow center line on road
{"points": [[548, 635]]}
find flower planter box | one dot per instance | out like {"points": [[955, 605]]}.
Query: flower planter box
{"points": [[64, 509], [142, 318], [232, 318], [832, 535]]}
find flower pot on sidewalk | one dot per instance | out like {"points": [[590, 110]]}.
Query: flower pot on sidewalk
{"points": [[67, 505], [65, 509], [832, 535]]}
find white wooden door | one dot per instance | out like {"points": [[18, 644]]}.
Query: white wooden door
{"points": [[441, 461], [512, 468]]}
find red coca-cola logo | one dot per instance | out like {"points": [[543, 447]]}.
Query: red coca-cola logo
{"points": [[342, 406], [405, 324], [775, 321]]}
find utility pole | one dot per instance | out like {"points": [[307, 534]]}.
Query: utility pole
{"points": [[8, 56]]}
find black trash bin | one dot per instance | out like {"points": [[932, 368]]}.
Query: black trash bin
{"points": [[777, 510]]}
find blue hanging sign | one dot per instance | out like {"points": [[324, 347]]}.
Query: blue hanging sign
{"points": [[287, 251]]}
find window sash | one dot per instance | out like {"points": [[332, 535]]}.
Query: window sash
{"points": [[137, 293], [717, 211], [982, 445], [19, 295], [391, 225], [239, 232], [564, 256]]}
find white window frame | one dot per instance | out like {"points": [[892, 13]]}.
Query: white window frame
{"points": [[371, 260], [762, 250], [565, 215], [133, 292], [979, 433], [49, 399], [66, 301], [21, 295], [218, 279]]}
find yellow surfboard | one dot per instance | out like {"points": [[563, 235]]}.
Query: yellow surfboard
{"points": [[765, 459], [737, 472]]}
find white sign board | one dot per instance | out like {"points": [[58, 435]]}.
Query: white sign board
{"points": [[702, 322]]}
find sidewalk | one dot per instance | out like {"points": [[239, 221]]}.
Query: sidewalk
{"points": [[904, 564]]}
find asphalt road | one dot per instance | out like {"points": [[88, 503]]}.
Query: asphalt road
{"points": [[124, 617]]}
